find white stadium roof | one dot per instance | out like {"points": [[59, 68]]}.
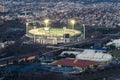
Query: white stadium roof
{"points": [[94, 55]]}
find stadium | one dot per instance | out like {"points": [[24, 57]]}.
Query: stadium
{"points": [[48, 35], [90, 54]]}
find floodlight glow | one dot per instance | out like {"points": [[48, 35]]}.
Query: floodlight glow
{"points": [[27, 23], [46, 21], [73, 23]]}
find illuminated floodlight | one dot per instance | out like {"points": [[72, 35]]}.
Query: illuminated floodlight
{"points": [[27, 23], [73, 23], [46, 21], [84, 31]]}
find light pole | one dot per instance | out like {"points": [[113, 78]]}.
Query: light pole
{"points": [[73, 23], [46, 21], [34, 34], [64, 28], [84, 31], [46, 28], [27, 27]]}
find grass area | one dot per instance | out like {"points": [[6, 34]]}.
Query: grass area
{"points": [[54, 32], [116, 53]]}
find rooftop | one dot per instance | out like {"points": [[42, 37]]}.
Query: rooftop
{"points": [[74, 62]]}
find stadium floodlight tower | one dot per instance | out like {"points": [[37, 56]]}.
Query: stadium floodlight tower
{"points": [[73, 23], [84, 31], [27, 27], [34, 34], [46, 28], [46, 21]]}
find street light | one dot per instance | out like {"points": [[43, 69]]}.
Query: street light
{"points": [[73, 23], [46, 21]]}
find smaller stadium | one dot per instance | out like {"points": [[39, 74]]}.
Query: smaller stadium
{"points": [[90, 54]]}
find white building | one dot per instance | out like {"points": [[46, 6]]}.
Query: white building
{"points": [[90, 54], [94, 55], [115, 43], [2, 45]]}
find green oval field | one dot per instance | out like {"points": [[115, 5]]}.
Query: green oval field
{"points": [[53, 32]]}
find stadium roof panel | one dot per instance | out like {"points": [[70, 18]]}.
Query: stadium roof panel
{"points": [[94, 55]]}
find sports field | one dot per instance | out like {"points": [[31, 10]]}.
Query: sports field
{"points": [[53, 32]]}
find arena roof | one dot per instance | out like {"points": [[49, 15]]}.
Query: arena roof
{"points": [[74, 62], [94, 55]]}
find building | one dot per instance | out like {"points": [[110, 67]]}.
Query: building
{"points": [[115, 43], [2, 45], [1, 8], [75, 62], [73, 65], [94, 55], [90, 54]]}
